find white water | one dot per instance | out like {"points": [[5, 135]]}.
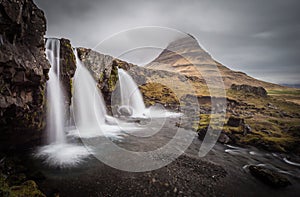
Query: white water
{"points": [[132, 97], [88, 101], [89, 108], [55, 113], [57, 152], [130, 94]]}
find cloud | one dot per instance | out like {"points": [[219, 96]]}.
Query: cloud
{"points": [[244, 35]]}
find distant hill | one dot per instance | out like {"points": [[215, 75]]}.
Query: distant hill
{"points": [[291, 85], [185, 56]]}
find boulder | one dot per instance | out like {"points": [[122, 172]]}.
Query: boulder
{"points": [[24, 69], [235, 121], [125, 111], [269, 176]]}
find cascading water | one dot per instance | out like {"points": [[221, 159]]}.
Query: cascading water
{"points": [[89, 108], [132, 98], [57, 152], [55, 110], [130, 94]]}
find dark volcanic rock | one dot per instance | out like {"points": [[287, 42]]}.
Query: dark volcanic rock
{"points": [[223, 138], [24, 69], [258, 91], [269, 177], [235, 121], [68, 68]]}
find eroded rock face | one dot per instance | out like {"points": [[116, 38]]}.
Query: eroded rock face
{"points": [[23, 68]]}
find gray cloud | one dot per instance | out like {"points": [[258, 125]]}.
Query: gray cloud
{"points": [[259, 37]]}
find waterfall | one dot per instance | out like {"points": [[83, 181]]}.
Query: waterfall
{"points": [[55, 108], [58, 152], [90, 110], [130, 93], [131, 97]]}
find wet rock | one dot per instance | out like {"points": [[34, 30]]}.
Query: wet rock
{"points": [[125, 111], [24, 69], [257, 91], [235, 121], [269, 176], [223, 138], [68, 68]]}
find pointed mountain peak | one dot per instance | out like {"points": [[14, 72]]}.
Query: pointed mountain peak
{"points": [[185, 56]]}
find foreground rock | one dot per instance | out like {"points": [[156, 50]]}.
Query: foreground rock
{"points": [[24, 69], [269, 177]]}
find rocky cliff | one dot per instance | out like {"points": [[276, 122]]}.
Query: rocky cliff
{"points": [[24, 69]]}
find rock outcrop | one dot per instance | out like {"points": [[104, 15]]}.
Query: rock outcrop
{"points": [[257, 91], [23, 68], [68, 68]]}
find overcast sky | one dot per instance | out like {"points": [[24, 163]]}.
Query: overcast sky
{"points": [[259, 37]]}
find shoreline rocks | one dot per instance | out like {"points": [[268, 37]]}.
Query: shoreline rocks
{"points": [[269, 176]]}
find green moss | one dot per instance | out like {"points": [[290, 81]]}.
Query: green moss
{"points": [[112, 81], [101, 76], [158, 93], [28, 188]]}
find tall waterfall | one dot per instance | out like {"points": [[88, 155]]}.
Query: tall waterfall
{"points": [[55, 108], [130, 93]]}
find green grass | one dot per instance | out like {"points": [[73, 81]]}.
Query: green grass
{"points": [[292, 92]]}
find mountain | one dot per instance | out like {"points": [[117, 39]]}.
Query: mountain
{"points": [[185, 56]]}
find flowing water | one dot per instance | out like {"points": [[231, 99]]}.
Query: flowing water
{"points": [[131, 97], [55, 110], [130, 94], [57, 151], [89, 109]]}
